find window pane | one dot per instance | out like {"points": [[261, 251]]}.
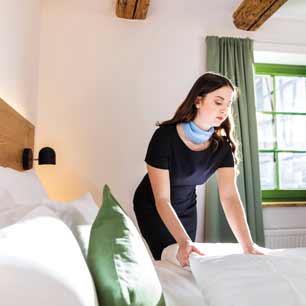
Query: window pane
{"points": [[265, 131], [263, 85], [267, 173], [291, 132], [292, 168], [290, 94]]}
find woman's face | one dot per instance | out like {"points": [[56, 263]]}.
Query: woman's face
{"points": [[214, 108]]}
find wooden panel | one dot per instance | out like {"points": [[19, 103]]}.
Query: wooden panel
{"points": [[251, 14], [16, 133], [132, 9]]}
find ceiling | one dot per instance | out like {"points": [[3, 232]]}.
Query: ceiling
{"points": [[292, 9]]}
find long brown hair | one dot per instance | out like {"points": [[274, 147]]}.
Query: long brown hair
{"points": [[187, 111]]}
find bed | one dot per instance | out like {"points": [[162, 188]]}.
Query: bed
{"points": [[44, 249], [44, 243]]}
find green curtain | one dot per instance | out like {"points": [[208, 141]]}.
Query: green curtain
{"points": [[233, 57]]}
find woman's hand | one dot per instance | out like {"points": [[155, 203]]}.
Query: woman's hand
{"points": [[256, 250], [185, 250]]}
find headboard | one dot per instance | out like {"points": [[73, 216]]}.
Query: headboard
{"points": [[16, 133]]}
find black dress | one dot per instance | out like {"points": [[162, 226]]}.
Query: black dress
{"points": [[187, 168]]}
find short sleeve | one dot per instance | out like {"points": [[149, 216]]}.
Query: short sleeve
{"points": [[158, 152], [228, 160]]}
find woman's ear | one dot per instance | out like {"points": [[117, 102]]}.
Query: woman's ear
{"points": [[198, 101]]}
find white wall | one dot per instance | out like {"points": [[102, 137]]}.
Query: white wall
{"points": [[19, 54], [105, 81]]}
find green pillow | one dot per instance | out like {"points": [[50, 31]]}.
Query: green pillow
{"points": [[118, 260]]}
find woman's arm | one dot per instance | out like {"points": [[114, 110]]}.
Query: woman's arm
{"points": [[234, 210], [160, 182]]}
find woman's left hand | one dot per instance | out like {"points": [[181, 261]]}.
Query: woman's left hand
{"points": [[256, 250]]}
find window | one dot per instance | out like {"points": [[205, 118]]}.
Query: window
{"points": [[281, 123]]}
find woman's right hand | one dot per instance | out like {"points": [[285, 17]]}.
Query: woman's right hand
{"points": [[184, 250]]}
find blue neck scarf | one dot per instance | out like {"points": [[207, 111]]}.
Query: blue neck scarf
{"points": [[195, 134]]}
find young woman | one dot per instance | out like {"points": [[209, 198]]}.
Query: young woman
{"points": [[184, 152]]}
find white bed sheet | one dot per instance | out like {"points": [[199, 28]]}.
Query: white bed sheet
{"points": [[179, 286]]}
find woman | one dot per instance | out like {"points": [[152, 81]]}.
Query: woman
{"points": [[184, 152]]}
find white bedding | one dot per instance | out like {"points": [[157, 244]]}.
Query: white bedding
{"points": [[276, 279], [40, 257], [78, 212], [39, 260], [179, 286], [209, 249], [227, 277], [82, 234]]}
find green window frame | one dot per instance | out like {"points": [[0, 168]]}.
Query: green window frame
{"points": [[280, 195]]}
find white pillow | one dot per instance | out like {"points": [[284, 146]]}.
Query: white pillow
{"points": [[42, 264], [24, 187], [87, 207], [81, 211], [68, 214], [82, 235], [37, 212], [6, 200], [13, 215]]}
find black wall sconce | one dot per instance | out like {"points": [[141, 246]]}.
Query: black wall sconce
{"points": [[46, 156]]}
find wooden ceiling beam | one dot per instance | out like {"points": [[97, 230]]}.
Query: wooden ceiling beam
{"points": [[251, 14], [132, 9]]}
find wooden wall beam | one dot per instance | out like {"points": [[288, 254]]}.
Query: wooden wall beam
{"points": [[16, 134], [132, 9], [251, 14]]}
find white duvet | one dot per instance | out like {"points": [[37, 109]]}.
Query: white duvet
{"points": [[41, 264], [226, 277]]}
